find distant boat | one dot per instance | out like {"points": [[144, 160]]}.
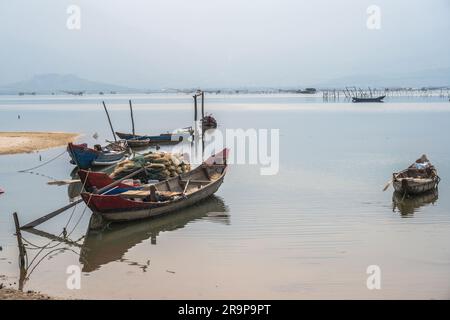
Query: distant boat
{"points": [[368, 99], [308, 91], [420, 177], [85, 157], [209, 122]]}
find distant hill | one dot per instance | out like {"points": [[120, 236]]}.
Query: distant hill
{"points": [[59, 83]]}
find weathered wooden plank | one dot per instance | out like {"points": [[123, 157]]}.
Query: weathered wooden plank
{"points": [[41, 220]]}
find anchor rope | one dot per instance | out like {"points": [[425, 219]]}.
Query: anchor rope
{"points": [[45, 163], [47, 246]]}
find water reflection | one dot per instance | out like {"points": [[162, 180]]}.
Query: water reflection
{"points": [[114, 240], [407, 206], [74, 190]]}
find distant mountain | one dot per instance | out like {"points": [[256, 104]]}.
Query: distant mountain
{"points": [[415, 79], [59, 83]]}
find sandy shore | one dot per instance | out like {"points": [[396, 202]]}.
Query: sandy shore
{"points": [[23, 142], [12, 294]]}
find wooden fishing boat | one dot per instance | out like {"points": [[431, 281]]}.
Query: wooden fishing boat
{"points": [[163, 197], [368, 99], [136, 141], [209, 122], [420, 177], [85, 157], [308, 91]]}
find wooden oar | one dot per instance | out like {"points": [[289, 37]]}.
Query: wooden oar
{"points": [[387, 185], [62, 182], [41, 220]]}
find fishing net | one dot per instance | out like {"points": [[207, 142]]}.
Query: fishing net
{"points": [[158, 166]]}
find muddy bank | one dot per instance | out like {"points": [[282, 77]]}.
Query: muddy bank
{"points": [[12, 294], [24, 142]]}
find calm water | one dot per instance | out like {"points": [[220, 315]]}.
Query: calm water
{"points": [[310, 231]]}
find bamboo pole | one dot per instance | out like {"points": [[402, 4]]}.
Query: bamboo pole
{"points": [[61, 210], [109, 120], [132, 118]]}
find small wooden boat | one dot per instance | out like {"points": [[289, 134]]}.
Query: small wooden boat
{"points": [[85, 157], [368, 99], [308, 91], [209, 122], [163, 197], [420, 177], [137, 141]]}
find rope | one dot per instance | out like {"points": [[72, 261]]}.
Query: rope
{"points": [[45, 163], [40, 260], [47, 246], [84, 211]]}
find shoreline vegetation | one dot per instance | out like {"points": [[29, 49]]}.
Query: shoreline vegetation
{"points": [[27, 142]]}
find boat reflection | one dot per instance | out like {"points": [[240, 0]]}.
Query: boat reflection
{"points": [[110, 243], [407, 206]]}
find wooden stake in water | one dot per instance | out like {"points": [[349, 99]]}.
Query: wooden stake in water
{"points": [[19, 241], [195, 108], [203, 104]]}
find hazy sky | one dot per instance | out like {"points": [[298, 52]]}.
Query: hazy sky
{"points": [[184, 43]]}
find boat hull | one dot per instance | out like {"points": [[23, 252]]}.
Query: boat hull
{"points": [[414, 187], [377, 99], [203, 182], [138, 141], [115, 208], [86, 158]]}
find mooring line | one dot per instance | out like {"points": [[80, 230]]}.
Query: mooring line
{"points": [[45, 163]]}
